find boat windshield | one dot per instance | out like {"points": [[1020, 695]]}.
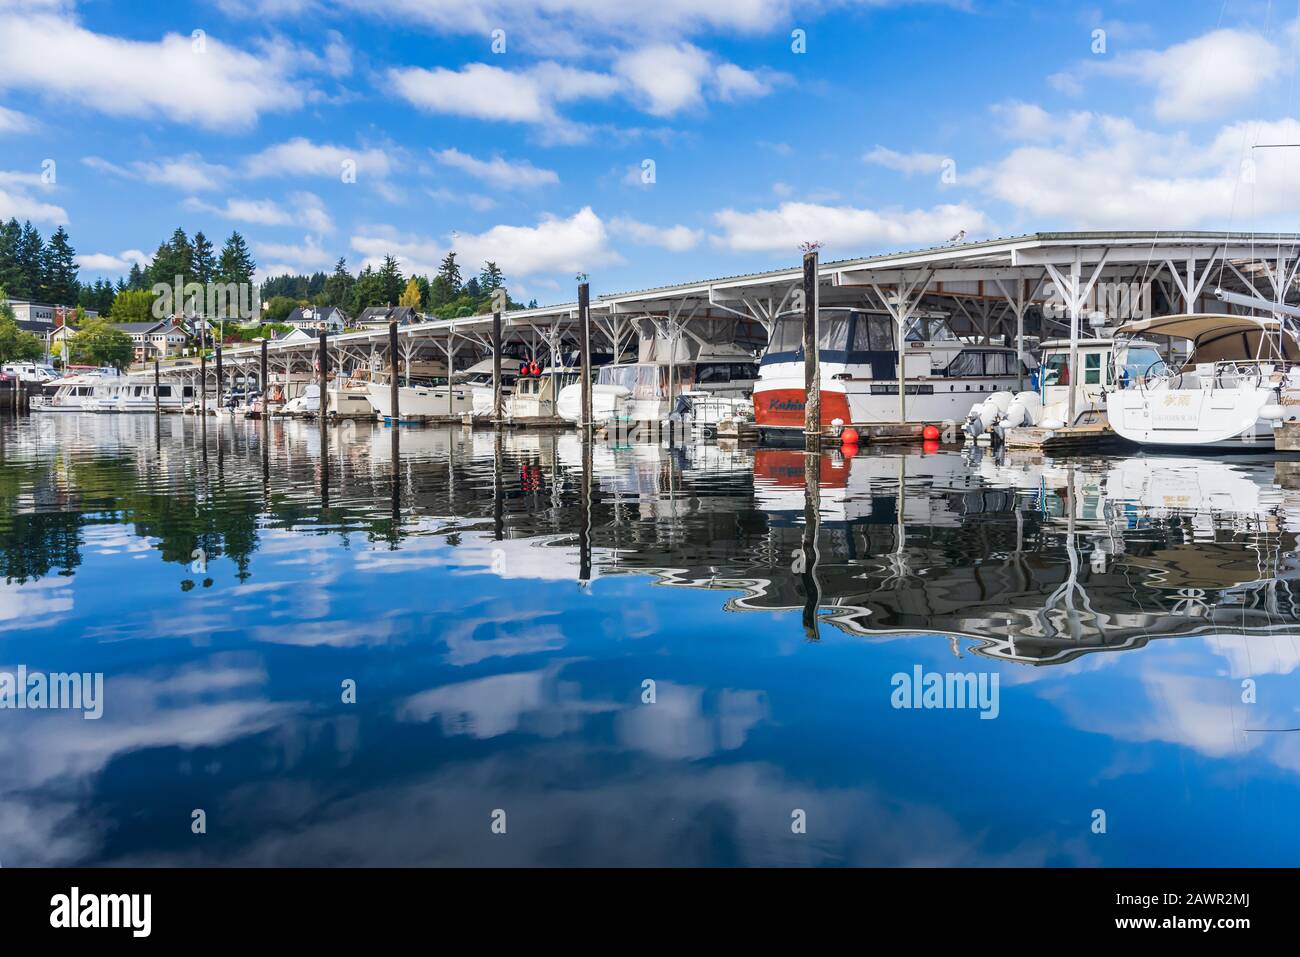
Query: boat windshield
{"points": [[646, 380], [1135, 362]]}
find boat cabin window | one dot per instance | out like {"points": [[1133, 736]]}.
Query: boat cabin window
{"points": [[1056, 369], [715, 373], [187, 392], [164, 391], [1093, 363]]}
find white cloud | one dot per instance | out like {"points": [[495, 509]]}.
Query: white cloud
{"points": [[113, 264], [1197, 79], [305, 257], [579, 243], [304, 209], [1206, 76], [843, 227], [673, 238], [300, 156], [491, 93], [11, 121], [218, 88], [16, 202], [735, 82], [907, 163], [418, 255], [497, 171], [666, 78], [189, 172], [1106, 172]]}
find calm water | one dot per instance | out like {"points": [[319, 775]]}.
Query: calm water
{"points": [[502, 635]]}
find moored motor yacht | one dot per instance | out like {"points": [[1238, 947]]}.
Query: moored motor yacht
{"points": [[423, 392], [858, 365], [1239, 380], [107, 390], [701, 381]]}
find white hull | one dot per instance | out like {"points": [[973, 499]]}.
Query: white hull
{"points": [[779, 397], [1203, 418], [419, 402]]}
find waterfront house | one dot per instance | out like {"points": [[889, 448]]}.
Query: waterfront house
{"points": [[374, 317], [310, 319]]}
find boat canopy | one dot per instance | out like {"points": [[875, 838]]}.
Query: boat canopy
{"points": [[1217, 337]]}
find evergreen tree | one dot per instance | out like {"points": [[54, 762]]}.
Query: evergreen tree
{"points": [[10, 275], [60, 268], [491, 278], [338, 287], [391, 281], [236, 263], [30, 255], [136, 279], [450, 272], [205, 260]]}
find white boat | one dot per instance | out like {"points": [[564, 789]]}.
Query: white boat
{"points": [[478, 378], [533, 395], [1239, 378], [858, 363], [421, 400], [349, 398], [706, 380], [1047, 404], [106, 390]]}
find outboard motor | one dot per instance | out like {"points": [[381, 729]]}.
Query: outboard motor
{"points": [[983, 415]]}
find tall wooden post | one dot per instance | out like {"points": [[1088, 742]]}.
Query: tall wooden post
{"points": [[219, 376], [157, 384], [812, 408], [264, 383], [496, 370], [394, 389], [203, 380], [322, 375], [584, 349]]}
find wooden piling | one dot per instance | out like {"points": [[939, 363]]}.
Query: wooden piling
{"points": [[584, 348], [497, 406], [203, 379], [394, 389], [157, 385], [812, 409], [264, 384], [219, 376], [322, 375]]}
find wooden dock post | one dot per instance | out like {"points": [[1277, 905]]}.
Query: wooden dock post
{"points": [[219, 376], [394, 389], [584, 349], [157, 384], [497, 409], [322, 375], [812, 408], [264, 384], [203, 379]]}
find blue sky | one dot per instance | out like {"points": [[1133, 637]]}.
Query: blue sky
{"points": [[901, 124]]}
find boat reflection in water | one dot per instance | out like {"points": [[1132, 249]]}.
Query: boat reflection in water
{"points": [[649, 654]]}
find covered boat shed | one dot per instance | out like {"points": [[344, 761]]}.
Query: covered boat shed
{"points": [[1066, 284]]}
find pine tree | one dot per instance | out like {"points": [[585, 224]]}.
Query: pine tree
{"points": [[136, 279], [391, 280], [10, 275], [60, 268], [30, 256], [449, 271], [236, 263], [205, 260], [338, 287], [491, 278]]}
